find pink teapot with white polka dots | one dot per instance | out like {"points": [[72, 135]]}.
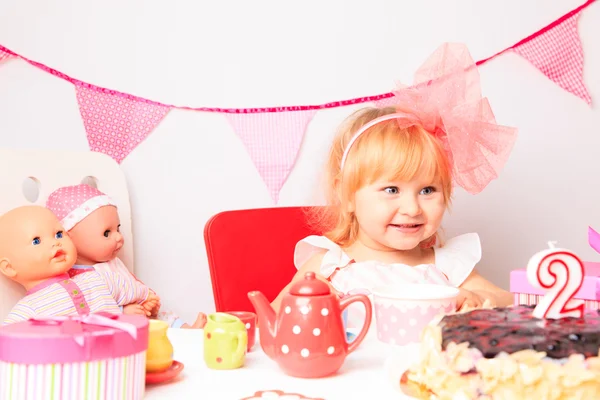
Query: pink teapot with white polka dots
{"points": [[307, 338]]}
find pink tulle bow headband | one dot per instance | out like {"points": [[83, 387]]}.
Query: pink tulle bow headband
{"points": [[446, 101]]}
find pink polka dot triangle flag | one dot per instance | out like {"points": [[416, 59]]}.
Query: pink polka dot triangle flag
{"points": [[116, 124], [272, 141]]}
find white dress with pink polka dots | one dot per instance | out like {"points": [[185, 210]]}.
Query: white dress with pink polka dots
{"points": [[454, 261]]}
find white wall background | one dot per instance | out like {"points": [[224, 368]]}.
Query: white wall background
{"points": [[239, 53]]}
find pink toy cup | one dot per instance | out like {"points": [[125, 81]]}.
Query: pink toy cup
{"points": [[249, 319], [402, 311]]}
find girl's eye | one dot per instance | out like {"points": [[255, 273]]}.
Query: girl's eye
{"points": [[36, 241], [59, 235], [428, 190], [106, 233], [391, 190]]}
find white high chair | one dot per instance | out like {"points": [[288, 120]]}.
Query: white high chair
{"points": [[26, 171]]}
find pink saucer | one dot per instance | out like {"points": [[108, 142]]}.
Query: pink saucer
{"points": [[164, 376]]}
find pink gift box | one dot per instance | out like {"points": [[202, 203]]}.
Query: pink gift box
{"points": [[95, 357], [525, 293]]}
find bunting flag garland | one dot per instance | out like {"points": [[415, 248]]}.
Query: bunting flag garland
{"points": [[116, 122], [558, 54], [273, 141]]}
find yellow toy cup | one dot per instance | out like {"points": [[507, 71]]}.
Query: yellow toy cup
{"points": [[160, 350], [225, 341]]}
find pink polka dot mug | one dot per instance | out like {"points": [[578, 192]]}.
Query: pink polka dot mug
{"points": [[402, 311]]}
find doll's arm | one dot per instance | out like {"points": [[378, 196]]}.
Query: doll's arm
{"points": [[151, 305], [22, 311], [118, 266], [124, 289]]}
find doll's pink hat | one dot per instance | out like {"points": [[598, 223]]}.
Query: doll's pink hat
{"points": [[71, 204]]}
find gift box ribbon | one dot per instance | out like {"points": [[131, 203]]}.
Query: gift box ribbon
{"points": [[73, 325]]}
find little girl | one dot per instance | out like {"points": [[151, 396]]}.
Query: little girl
{"points": [[92, 222], [389, 182]]}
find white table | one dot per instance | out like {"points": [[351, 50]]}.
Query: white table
{"points": [[364, 374]]}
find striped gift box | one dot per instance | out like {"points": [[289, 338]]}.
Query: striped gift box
{"points": [[525, 293], [119, 378], [38, 361], [532, 299]]}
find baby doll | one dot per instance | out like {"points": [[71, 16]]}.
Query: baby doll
{"points": [[92, 221], [36, 253]]}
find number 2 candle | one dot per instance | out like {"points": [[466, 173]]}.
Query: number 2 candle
{"points": [[560, 272]]}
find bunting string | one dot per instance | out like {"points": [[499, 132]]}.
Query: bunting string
{"points": [[333, 104], [116, 122]]}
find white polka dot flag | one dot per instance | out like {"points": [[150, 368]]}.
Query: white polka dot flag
{"points": [[558, 54], [272, 141], [116, 123]]}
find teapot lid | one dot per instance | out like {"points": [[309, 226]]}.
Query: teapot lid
{"points": [[310, 286]]}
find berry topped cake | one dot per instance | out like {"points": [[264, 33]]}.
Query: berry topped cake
{"points": [[506, 353]]}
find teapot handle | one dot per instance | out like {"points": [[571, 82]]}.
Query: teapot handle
{"points": [[344, 303]]}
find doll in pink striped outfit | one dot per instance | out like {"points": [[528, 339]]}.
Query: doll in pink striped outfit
{"points": [[36, 253], [91, 219]]}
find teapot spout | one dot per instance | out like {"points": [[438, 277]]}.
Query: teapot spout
{"points": [[266, 321]]}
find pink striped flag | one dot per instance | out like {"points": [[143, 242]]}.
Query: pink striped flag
{"points": [[273, 141], [558, 54]]}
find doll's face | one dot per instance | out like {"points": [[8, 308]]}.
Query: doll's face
{"points": [[34, 246], [97, 237]]}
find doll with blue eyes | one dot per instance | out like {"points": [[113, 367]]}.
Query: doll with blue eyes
{"points": [[37, 254], [92, 221]]}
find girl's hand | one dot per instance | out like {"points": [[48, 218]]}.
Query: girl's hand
{"points": [[468, 300], [134, 309]]}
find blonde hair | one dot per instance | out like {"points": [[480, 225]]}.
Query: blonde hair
{"points": [[383, 151]]}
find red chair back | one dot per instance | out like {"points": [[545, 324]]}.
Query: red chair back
{"points": [[252, 250]]}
